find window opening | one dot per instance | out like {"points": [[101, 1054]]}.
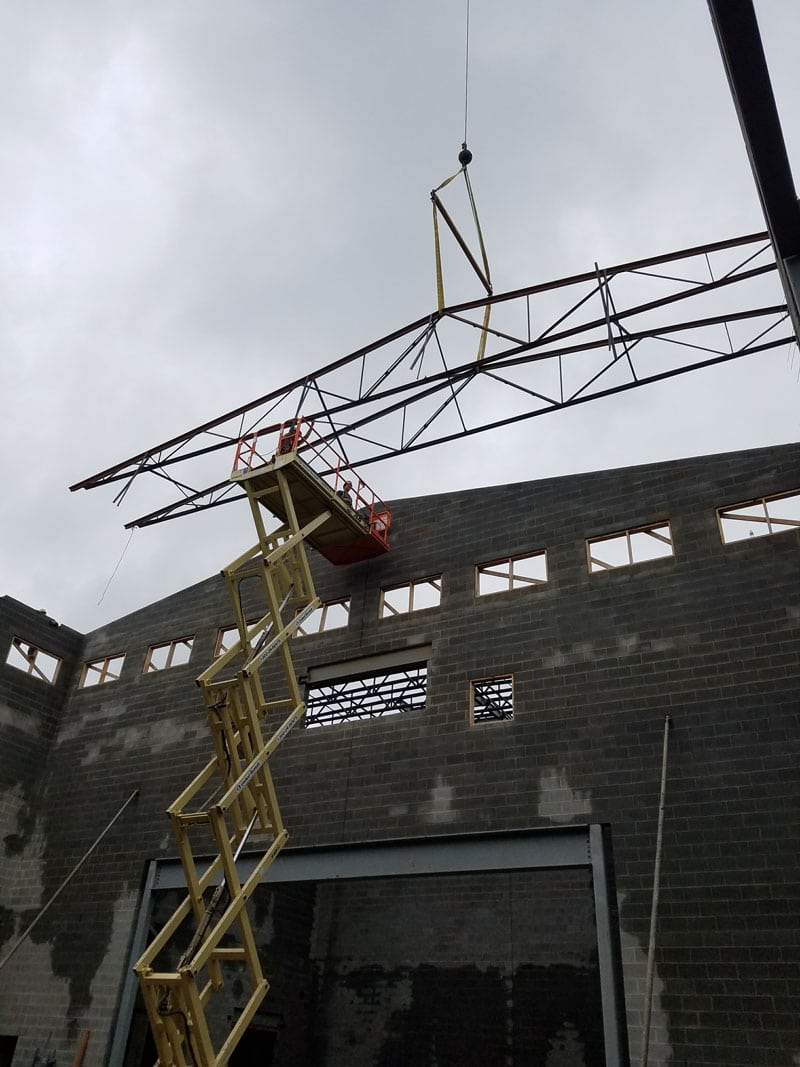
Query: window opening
{"points": [[377, 695], [169, 654], [492, 699], [100, 671], [329, 616], [412, 596], [33, 660], [630, 546], [514, 572], [226, 639], [759, 518]]}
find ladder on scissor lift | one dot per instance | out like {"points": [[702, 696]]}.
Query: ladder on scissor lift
{"points": [[334, 511]]}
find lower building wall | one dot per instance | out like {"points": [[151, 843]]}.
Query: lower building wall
{"points": [[477, 969], [709, 637], [468, 969]]}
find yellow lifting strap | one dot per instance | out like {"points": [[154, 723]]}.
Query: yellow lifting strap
{"points": [[481, 269]]}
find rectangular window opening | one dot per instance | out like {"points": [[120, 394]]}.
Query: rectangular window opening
{"points": [[226, 639], [628, 547], [33, 660], [169, 654], [759, 518], [332, 615], [492, 699], [412, 596], [378, 694], [514, 572], [100, 671]]}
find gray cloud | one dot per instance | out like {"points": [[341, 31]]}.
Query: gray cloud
{"points": [[198, 203]]}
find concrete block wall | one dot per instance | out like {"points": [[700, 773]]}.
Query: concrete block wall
{"points": [[708, 637], [493, 968], [30, 709], [30, 713], [114, 738]]}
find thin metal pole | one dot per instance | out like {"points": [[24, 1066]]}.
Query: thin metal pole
{"points": [[651, 948], [67, 880]]}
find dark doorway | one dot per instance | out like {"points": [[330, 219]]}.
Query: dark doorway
{"points": [[256, 1049], [7, 1046]]}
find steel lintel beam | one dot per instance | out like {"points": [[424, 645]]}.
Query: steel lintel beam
{"points": [[739, 39], [523, 850], [552, 848]]}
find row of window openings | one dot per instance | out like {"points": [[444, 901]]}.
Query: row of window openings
{"points": [[374, 696], [382, 694], [758, 518], [41, 664]]}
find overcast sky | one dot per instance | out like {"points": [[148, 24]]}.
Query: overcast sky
{"points": [[200, 201]]}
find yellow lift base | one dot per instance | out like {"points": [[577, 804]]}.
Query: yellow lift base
{"points": [[243, 805]]}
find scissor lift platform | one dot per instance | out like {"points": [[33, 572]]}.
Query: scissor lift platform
{"points": [[353, 531], [339, 515]]}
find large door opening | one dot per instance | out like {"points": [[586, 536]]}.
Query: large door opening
{"points": [[463, 952]]}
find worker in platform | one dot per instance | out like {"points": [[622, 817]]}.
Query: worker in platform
{"points": [[345, 494]]}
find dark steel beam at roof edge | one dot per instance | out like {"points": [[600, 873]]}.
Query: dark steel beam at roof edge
{"points": [[739, 39]]}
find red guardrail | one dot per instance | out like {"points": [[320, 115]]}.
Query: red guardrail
{"points": [[298, 435]]}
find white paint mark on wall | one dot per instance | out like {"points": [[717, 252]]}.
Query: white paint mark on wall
{"points": [[439, 809], [23, 889], [266, 931], [42, 1022], [105, 987], [566, 1048], [634, 972], [28, 722], [77, 724], [577, 653], [155, 737], [557, 802], [627, 644]]}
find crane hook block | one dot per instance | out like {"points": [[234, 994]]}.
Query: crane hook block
{"points": [[464, 156]]}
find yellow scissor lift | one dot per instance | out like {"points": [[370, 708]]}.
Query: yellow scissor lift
{"points": [[341, 517]]}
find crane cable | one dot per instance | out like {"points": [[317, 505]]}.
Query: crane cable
{"points": [[482, 269], [466, 77]]}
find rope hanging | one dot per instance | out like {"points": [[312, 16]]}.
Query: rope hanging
{"points": [[481, 269]]}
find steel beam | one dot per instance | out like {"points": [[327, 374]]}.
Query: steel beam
{"points": [[609, 958], [544, 849], [130, 985], [560, 847], [739, 39]]}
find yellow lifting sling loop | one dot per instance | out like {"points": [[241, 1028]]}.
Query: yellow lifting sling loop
{"points": [[480, 269]]}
